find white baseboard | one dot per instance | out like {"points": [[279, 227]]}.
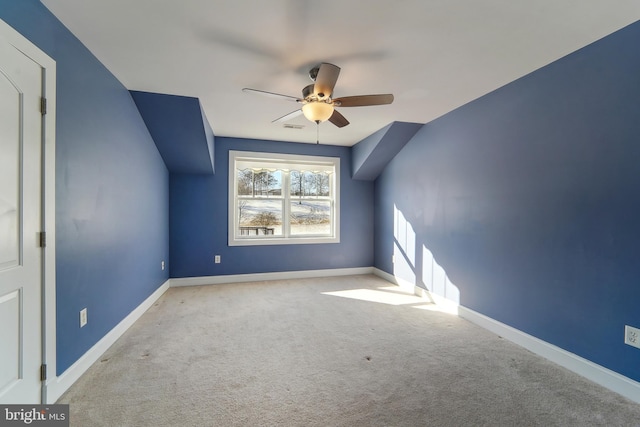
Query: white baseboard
{"points": [[587, 369], [404, 284], [254, 277], [581, 366], [57, 386], [443, 304]]}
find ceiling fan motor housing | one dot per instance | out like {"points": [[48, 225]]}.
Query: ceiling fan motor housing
{"points": [[313, 73], [307, 91], [317, 102]]}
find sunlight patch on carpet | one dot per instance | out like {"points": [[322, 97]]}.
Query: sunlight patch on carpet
{"points": [[390, 295]]}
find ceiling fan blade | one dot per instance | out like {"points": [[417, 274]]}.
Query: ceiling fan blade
{"points": [[288, 116], [338, 119], [363, 100], [271, 94], [326, 80]]}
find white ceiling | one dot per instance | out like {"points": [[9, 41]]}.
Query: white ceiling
{"points": [[433, 55]]}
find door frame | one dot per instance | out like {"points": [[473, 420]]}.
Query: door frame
{"points": [[48, 187]]}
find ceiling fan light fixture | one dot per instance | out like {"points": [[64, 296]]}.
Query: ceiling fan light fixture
{"points": [[317, 98], [317, 111]]}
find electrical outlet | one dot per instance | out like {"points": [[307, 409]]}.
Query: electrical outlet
{"points": [[83, 317], [632, 336], [217, 259], [162, 265]]}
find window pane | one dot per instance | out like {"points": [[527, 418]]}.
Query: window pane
{"points": [[297, 183], [305, 183], [310, 217], [245, 182], [259, 183], [260, 217], [317, 183], [305, 210]]}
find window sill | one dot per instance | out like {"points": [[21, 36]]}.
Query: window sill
{"points": [[283, 241]]}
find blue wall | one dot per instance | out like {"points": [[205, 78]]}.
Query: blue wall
{"points": [[180, 130], [112, 189], [199, 215], [529, 199]]}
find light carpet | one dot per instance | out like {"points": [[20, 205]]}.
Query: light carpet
{"points": [[342, 351]]}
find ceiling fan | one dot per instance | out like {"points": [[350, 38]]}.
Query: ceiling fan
{"points": [[317, 102]]}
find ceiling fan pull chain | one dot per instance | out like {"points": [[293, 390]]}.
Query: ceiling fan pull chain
{"points": [[317, 131]]}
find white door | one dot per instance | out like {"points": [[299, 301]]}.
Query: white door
{"points": [[20, 223]]}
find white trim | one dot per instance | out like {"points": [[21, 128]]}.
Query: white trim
{"points": [[49, 179], [405, 284], [444, 304], [48, 198], [583, 367], [282, 275], [579, 365], [279, 160], [57, 386]]}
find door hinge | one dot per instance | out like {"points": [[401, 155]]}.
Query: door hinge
{"points": [[43, 106], [42, 239], [43, 372]]}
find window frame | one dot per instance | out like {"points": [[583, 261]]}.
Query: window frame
{"points": [[284, 160]]}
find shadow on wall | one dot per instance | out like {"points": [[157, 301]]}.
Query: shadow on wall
{"points": [[414, 263]]}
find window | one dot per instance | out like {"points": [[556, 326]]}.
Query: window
{"points": [[283, 199]]}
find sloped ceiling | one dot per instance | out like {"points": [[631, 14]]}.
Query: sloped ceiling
{"points": [[433, 55], [179, 130]]}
